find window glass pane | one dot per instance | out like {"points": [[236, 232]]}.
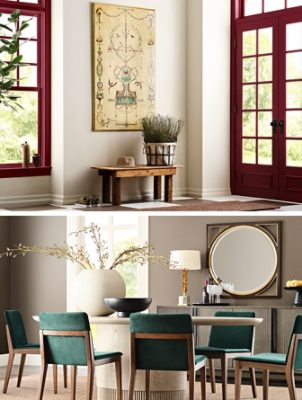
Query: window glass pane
{"points": [[294, 95], [252, 7], [31, 31], [29, 51], [294, 65], [265, 40], [249, 151], [294, 36], [265, 68], [125, 219], [294, 153], [249, 97], [294, 3], [248, 124], [265, 155], [273, 5], [294, 123], [4, 20], [19, 126], [264, 123], [28, 76], [249, 43], [265, 99], [249, 69], [123, 239]]}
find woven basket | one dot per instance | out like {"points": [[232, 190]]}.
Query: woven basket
{"points": [[160, 153]]}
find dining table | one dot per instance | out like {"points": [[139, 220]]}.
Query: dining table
{"points": [[111, 333]]}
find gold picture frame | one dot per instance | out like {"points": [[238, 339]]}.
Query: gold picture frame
{"points": [[123, 66]]}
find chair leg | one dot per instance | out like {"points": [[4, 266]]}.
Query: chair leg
{"points": [[237, 380], [265, 384], [65, 375], [55, 378], [21, 368], [203, 382], [212, 375], [132, 383], [147, 384], [8, 371], [42, 380], [90, 382], [224, 376], [191, 383], [118, 374], [73, 381], [290, 378], [253, 382]]}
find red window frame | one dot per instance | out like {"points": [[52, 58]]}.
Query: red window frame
{"points": [[43, 12]]}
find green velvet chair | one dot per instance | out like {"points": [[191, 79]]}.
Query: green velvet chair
{"points": [[164, 342], [227, 342], [65, 338], [277, 362], [18, 344]]}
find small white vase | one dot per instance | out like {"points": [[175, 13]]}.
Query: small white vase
{"points": [[91, 286]]}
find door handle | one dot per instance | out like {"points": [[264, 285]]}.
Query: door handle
{"points": [[274, 125], [281, 126]]}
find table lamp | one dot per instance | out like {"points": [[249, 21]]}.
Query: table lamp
{"points": [[186, 260]]}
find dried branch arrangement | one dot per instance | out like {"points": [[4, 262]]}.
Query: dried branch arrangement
{"points": [[77, 253]]}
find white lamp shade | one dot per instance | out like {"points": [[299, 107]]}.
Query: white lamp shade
{"points": [[185, 259]]}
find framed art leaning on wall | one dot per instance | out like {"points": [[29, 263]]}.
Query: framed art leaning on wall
{"points": [[123, 66]]}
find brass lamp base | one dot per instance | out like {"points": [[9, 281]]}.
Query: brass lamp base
{"points": [[184, 300]]}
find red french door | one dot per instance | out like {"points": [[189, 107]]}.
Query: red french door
{"points": [[268, 139]]}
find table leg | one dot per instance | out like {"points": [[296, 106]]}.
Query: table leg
{"points": [[116, 191], [157, 188], [169, 188], [106, 189]]}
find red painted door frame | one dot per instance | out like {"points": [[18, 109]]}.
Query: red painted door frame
{"points": [[277, 181]]}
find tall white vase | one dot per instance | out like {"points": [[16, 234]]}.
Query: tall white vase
{"points": [[93, 285]]}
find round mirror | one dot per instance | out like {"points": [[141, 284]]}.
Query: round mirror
{"points": [[244, 258]]}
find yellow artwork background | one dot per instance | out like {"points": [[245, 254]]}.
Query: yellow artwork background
{"points": [[123, 66]]}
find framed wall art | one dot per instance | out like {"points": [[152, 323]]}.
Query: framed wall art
{"points": [[123, 66]]}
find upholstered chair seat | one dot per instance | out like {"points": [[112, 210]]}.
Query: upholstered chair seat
{"points": [[164, 342], [227, 342], [278, 362], [66, 339]]}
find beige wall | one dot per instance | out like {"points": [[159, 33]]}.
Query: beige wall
{"points": [[172, 233], [32, 283], [4, 279]]}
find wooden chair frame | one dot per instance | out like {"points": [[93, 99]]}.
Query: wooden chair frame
{"points": [[23, 351], [224, 357], [91, 364], [288, 369], [188, 337]]}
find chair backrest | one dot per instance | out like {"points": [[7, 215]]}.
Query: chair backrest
{"points": [[65, 338], [232, 337], [294, 354], [16, 330], [161, 341]]}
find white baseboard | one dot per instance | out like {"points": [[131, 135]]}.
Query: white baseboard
{"points": [[25, 201], [215, 192]]}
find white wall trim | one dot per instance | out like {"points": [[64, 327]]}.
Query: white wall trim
{"points": [[28, 200]]}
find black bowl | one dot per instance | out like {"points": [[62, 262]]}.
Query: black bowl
{"points": [[125, 306]]}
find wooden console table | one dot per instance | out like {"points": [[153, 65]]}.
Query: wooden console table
{"points": [[115, 174]]}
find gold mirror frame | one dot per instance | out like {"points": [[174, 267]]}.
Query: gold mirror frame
{"points": [[271, 231]]}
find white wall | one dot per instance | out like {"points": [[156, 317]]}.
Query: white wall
{"points": [[208, 97], [84, 148]]}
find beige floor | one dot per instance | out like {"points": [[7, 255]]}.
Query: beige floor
{"points": [[30, 383]]}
